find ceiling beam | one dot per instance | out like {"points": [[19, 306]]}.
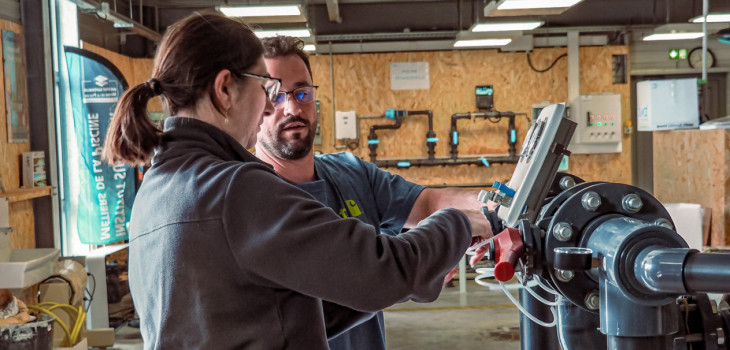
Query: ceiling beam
{"points": [[333, 10]]}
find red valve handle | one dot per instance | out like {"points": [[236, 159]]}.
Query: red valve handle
{"points": [[508, 247]]}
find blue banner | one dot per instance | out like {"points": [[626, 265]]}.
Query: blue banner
{"points": [[106, 193]]}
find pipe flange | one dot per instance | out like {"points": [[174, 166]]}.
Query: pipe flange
{"points": [[568, 207]]}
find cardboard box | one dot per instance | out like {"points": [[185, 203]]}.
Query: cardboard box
{"points": [[688, 219], [667, 104]]}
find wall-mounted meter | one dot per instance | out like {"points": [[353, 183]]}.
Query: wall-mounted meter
{"points": [[484, 97]]}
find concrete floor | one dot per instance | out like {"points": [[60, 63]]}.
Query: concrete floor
{"points": [[478, 319]]}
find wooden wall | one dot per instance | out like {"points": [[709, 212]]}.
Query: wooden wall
{"points": [[691, 166], [21, 212], [362, 83]]}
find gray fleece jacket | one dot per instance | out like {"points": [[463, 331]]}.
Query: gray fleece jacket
{"points": [[224, 254]]}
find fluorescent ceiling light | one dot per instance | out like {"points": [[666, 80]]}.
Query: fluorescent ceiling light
{"points": [[507, 26], [299, 33], [481, 42], [712, 18], [672, 36], [536, 4], [309, 47], [260, 11]]}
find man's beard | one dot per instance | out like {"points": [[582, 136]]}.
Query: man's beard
{"points": [[290, 149]]}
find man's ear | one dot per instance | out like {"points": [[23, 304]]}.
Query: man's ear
{"points": [[222, 85]]}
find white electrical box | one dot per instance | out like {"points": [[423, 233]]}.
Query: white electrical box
{"points": [[599, 124], [345, 125], [667, 104]]}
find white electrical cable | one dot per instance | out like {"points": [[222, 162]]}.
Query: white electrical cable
{"points": [[472, 250], [485, 273], [530, 316], [557, 301], [545, 286]]}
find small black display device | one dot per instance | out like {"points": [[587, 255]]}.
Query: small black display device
{"points": [[484, 97]]}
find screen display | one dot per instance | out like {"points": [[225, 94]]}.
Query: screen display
{"points": [[486, 90]]}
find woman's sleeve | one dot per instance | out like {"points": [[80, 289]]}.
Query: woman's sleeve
{"points": [[282, 238], [339, 319]]}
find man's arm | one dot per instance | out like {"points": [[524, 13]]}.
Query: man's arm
{"points": [[433, 199]]}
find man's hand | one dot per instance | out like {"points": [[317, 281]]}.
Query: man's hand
{"points": [[480, 226], [479, 254]]}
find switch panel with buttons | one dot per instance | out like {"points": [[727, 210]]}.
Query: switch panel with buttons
{"points": [[599, 127]]}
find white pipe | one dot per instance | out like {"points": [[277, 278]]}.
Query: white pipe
{"points": [[704, 40]]}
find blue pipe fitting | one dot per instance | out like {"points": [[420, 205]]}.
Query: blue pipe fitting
{"points": [[392, 113], [485, 162], [432, 139], [373, 142], [403, 164], [504, 189], [455, 138]]}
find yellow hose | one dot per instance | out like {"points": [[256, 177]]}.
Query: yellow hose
{"points": [[78, 316]]}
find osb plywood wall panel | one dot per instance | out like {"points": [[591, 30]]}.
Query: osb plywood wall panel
{"points": [[21, 213], [362, 83], [684, 175], [135, 70]]}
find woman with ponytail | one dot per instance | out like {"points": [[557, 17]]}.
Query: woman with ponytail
{"points": [[224, 254]]}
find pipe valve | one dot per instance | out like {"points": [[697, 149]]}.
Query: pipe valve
{"points": [[507, 247]]}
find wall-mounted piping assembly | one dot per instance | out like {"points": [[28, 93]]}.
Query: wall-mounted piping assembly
{"points": [[493, 116], [398, 116]]}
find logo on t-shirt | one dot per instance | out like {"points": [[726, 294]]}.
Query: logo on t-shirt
{"points": [[352, 209]]}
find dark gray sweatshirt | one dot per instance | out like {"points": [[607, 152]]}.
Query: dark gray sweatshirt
{"points": [[224, 254]]}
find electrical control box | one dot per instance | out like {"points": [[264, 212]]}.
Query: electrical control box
{"points": [[484, 95], [598, 119], [345, 125]]}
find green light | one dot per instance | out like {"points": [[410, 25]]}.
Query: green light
{"points": [[673, 54], [683, 54], [599, 124]]}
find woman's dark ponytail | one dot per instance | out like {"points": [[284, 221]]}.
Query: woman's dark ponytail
{"points": [[189, 57], [132, 137]]}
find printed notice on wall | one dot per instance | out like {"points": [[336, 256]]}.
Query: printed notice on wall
{"points": [[409, 76]]}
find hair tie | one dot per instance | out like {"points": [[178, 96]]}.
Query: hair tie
{"points": [[154, 85]]}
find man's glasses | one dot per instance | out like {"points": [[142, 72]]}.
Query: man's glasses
{"points": [[304, 94], [271, 85]]}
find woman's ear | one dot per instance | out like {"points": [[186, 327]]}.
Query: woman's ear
{"points": [[222, 86]]}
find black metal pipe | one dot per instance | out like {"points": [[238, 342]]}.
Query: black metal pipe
{"points": [[454, 136], [511, 133], [430, 135], [639, 343], [373, 137], [411, 162], [579, 328], [532, 335], [511, 129], [707, 273]]}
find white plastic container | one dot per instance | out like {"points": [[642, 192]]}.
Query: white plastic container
{"points": [[27, 267]]}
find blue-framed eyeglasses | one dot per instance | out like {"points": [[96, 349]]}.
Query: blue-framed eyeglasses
{"points": [[271, 85], [304, 94]]}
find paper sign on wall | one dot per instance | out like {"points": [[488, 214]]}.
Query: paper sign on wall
{"points": [[409, 76]]}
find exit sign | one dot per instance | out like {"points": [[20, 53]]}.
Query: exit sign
{"points": [[677, 54]]}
